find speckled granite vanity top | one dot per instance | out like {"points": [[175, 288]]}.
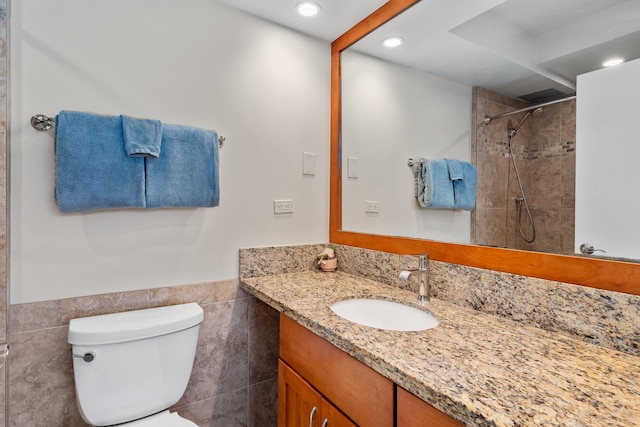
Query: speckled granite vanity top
{"points": [[480, 369]]}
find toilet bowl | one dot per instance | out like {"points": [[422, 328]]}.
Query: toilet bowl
{"points": [[130, 367]]}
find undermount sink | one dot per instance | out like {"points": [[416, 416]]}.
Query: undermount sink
{"points": [[384, 314]]}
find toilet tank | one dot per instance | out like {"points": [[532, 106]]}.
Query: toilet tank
{"points": [[132, 364]]}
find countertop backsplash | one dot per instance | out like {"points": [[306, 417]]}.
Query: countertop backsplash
{"points": [[605, 318]]}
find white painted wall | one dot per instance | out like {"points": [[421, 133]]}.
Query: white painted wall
{"points": [[607, 153], [392, 113], [194, 62]]}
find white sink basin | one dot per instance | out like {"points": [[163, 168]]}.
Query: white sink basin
{"points": [[384, 314]]}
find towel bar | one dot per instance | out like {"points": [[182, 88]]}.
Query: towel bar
{"points": [[42, 123]]}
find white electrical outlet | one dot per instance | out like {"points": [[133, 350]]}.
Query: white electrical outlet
{"points": [[371, 206], [283, 206]]}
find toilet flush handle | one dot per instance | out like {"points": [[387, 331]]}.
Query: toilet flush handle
{"points": [[87, 357]]}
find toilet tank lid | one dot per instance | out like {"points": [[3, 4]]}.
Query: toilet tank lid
{"points": [[134, 325]]}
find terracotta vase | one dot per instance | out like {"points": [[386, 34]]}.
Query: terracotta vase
{"points": [[329, 264]]}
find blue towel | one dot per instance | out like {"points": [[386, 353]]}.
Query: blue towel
{"points": [[435, 189], [186, 174], [93, 171], [142, 137], [456, 171], [464, 178]]}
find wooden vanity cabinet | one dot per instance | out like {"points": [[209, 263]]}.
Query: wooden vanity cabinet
{"points": [[312, 372], [362, 394]]}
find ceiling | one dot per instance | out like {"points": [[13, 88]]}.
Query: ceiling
{"points": [[521, 48]]}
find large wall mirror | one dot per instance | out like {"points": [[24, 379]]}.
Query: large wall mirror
{"points": [[429, 98]]}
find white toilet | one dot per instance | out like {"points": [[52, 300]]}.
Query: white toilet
{"points": [[130, 367]]}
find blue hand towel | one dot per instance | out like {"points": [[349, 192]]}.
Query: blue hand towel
{"points": [[435, 189], [186, 174], [464, 177], [93, 171], [142, 137]]}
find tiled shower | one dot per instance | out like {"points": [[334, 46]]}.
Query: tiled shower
{"points": [[544, 150]]}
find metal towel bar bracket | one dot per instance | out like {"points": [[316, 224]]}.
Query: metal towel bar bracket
{"points": [[42, 123]]}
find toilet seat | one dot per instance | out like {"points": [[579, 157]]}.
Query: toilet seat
{"points": [[162, 419]]}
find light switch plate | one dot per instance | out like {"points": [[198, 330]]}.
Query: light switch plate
{"points": [[352, 167], [309, 163]]}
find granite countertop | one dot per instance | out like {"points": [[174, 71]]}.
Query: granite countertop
{"points": [[480, 369]]}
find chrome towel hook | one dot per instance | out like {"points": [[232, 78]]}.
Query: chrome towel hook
{"points": [[42, 123]]}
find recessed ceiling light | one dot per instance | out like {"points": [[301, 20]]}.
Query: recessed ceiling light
{"points": [[394, 41], [308, 8], [613, 61]]}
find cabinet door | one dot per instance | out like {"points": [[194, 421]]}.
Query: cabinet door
{"points": [[298, 403], [332, 417], [415, 412]]}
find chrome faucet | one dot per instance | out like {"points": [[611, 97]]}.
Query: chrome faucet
{"points": [[423, 272]]}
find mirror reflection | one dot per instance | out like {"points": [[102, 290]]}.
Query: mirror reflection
{"points": [[544, 175]]}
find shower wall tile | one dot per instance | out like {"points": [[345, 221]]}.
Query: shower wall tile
{"points": [[569, 120], [41, 389], [490, 227], [491, 184], [542, 182], [548, 237], [547, 125], [567, 230], [568, 180]]}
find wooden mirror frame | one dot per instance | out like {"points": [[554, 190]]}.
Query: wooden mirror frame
{"points": [[597, 273]]}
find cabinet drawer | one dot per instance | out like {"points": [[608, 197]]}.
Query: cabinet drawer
{"points": [[361, 393]]}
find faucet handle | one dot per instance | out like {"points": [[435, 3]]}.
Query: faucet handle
{"points": [[423, 259]]}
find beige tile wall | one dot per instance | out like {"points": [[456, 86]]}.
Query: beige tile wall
{"points": [[234, 374]]}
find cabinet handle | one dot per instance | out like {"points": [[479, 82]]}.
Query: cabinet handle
{"points": [[325, 423], [313, 412]]}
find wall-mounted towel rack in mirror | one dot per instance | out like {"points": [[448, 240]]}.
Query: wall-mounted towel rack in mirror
{"points": [[42, 123]]}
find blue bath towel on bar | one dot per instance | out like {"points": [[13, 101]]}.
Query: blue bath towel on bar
{"points": [[186, 174], [142, 137], [93, 171], [464, 178], [435, 189]]}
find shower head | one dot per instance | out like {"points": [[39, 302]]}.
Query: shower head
{"points": [[512, 132]]}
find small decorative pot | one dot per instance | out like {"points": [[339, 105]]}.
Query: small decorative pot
{"points": [[329, 264]]}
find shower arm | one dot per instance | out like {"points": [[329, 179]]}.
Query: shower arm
{"points": [[488, 119]]}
